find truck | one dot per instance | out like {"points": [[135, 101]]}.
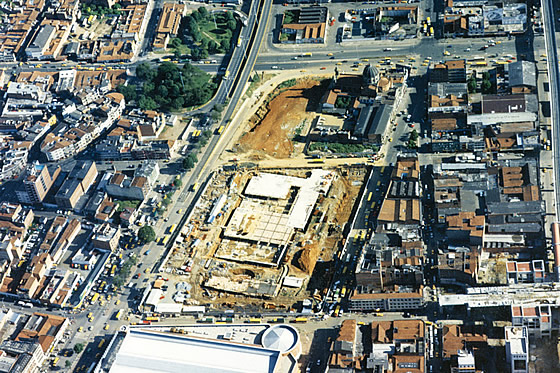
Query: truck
{"points": [[93, 299], [337, 311], [300, 320]]}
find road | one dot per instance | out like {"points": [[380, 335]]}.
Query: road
{"points": [[209, 155], [554, 79]]}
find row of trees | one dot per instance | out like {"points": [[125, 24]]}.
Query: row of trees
{"points": [[124, 272], [169, 87], [100, 10], [486, 85]]}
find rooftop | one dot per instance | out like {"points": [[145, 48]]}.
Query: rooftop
{"points": [[157, 349]]}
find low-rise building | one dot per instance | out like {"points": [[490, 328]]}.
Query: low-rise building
{"points": [[402, 299], [168, 25], [80, 128], [45, 329], [525, 272], [31, 282], [457, 338], [106, 237], [122, 186], [397, 346], [537, 319], [309, 27]]}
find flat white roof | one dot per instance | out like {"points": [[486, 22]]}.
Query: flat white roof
{"points": [[153, 297], [271, 185], [517, 339], [278, 187], [145, 351]]}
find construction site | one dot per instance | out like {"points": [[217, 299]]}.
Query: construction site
{"points": [[275, 129], [265, 238]]}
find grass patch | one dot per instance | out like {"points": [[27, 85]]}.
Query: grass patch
{"points": [[336, 147], [218, 32], [133, 203]]}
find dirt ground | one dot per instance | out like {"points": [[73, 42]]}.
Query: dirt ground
{"points": [[273, 127], [544, 355]]}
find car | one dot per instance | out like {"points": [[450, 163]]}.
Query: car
{"points": [[274, 67], [106, 327], [81, 329], [318, 362], [137, 276]]}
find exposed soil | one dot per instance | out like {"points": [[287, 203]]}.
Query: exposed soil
{"points": [[308, 258], [272, 126]]}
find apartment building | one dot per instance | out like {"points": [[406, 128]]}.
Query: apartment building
{"points": [[525, 272], [537, 319], [517, 349], [78, 182], [106, 237], [37, 183], [403, 300]]}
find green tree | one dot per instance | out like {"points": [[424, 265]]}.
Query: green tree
{"points": [[215, 115], [231, 25], [486, 75], [471, 85], [203, 12], [68, 364], [128, 91], [175, 43], [78, 347], [147, 103], [486, 86], [146, 234], [177, 182], [412, 140], [189, 161], [145, 72]]}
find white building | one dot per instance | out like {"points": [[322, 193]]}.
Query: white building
{"points": [[248, 348], [517, 349]]}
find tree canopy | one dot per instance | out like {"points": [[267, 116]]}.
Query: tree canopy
{"points": [[78, 347], [146, 234], [172, 87]]}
